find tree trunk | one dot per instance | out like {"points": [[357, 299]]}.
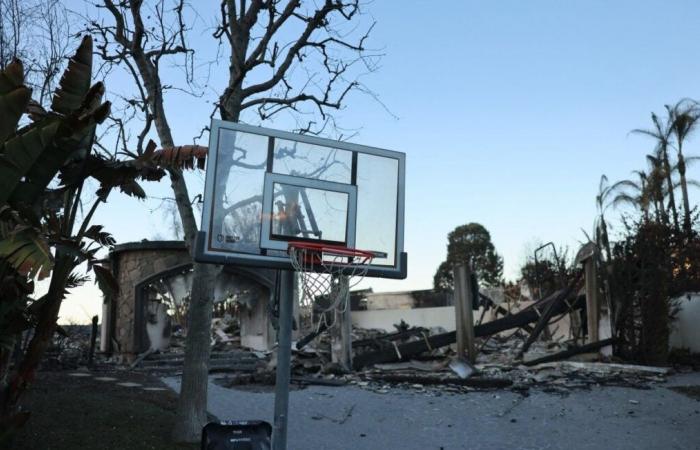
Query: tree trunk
{"points": [[192, 404], [606, 240], [45, 328], [684, 189], [669, 182]]}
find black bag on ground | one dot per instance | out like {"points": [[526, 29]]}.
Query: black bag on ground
{"points": [[237, 435]]}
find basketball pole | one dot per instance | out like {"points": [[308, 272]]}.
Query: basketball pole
{"points": [[284, 356]]}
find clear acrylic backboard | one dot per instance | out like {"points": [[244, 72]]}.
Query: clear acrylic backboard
{"points": [[265, 188]]}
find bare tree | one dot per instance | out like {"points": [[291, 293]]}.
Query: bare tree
{"points": [[38, 33], [285, 56]]}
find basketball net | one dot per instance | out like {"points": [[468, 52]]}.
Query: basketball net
{"points": [[326, 274]]}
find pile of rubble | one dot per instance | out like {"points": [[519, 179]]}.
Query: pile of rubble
{"points": [[511, 355], [438, 371], [69, 348]]}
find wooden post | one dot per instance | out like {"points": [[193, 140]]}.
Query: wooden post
{"points": [[459, 305], [93, 338], [341, 332], [592, 304], [468, 313], [463, 293], [105, 335]]}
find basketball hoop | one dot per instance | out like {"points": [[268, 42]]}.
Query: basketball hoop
{"points": [[321, 267], [295, 215]]}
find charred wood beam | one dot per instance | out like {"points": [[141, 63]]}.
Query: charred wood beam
{"points": [[410, 349], [313, 381], [375, 341], [303, 342], [501, 310], [571, 352], [555, 304], [395, 336], [477, 382]]}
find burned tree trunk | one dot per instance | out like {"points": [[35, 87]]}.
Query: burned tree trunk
{"points": [[261, 64]]}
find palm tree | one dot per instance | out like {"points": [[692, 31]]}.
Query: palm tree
{"points": [[655, 186], [661, 132], [683, 118], [640, 197], [602, 204]]}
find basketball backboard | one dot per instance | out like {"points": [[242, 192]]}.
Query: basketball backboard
{"points": [[265, 188]]}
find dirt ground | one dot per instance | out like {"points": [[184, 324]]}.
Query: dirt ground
{"points": [[82, 412]]}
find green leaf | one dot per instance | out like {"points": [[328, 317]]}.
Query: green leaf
{"points": [[73, 140], [12, 106], [75, 82], [27, 252], [20, 154], [101, 237]]}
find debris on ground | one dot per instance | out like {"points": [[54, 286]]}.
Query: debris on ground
{"points": [[408, 357]]}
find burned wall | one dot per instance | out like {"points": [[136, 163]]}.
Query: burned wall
{"points": [[134, 264], [140, 265]]}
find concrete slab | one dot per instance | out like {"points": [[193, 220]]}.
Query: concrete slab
{"points": [[353, 417]]}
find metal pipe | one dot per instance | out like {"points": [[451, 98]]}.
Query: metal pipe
{"points": [[284, 352], [537, 270]]}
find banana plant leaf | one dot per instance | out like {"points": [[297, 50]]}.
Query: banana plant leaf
{"points": [[31, 159], [75, 82], [21, 153], [27, 252], [105, 280], [182, 157], [14, 98], [113, 174], [72, 140]]}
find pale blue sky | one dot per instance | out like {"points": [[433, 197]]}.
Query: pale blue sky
{"points": [[508, 111]]}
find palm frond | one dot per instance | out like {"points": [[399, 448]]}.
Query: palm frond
{"points": [[96, 233], [651, 133], [626, 184], [624, 198], [76, 280]]}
